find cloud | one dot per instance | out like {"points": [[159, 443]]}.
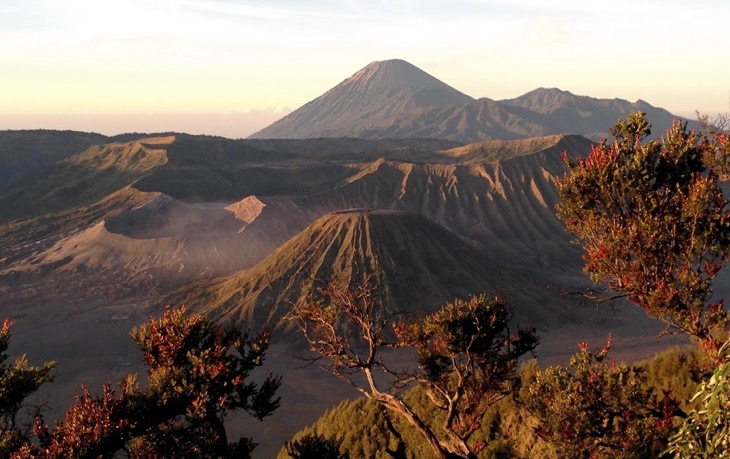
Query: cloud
{"points": [[256, 11]]}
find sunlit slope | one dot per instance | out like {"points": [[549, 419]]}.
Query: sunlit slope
{"points": [[185, 212], [105, 208], [210, 169], [162, 238], [74, 194]]}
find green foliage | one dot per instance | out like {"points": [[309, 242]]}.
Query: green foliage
{"points": [[717, 154], [599, 409], [705, 433], [360, 427], [653, 224], [506, 430], [676, 370], [17, 382], [315, 447], [197, 373]]}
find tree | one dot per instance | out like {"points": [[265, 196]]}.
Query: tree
{"points": [[656, 228], [466, 351], [93, 427], [597, 409], [17, 382], [198, 372], [510, 429], [654, 224]]}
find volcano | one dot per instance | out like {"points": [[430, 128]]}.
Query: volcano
{"points": [[366, 103], [418, 265]]}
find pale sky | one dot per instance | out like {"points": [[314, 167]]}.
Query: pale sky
{"points": [[230, 67]]}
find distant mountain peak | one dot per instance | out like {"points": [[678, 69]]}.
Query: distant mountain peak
{"points": [[546, 97], [375, 67], [551, 91], [394, 74], [383, 79], [365, 102]]}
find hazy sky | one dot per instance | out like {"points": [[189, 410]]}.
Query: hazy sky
{"points": [[223, 66]]}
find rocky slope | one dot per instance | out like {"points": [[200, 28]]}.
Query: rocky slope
{"points": [[177, 209]]}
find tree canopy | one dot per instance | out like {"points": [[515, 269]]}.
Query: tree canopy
{"points": [[198, 372], [654, 223]]}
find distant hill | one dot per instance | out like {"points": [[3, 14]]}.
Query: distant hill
{"points": [[160, 205], [159, 239], [492, 205], [563, 111], [394, 99], [24, 152], [82, 179], [168, 210]]}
